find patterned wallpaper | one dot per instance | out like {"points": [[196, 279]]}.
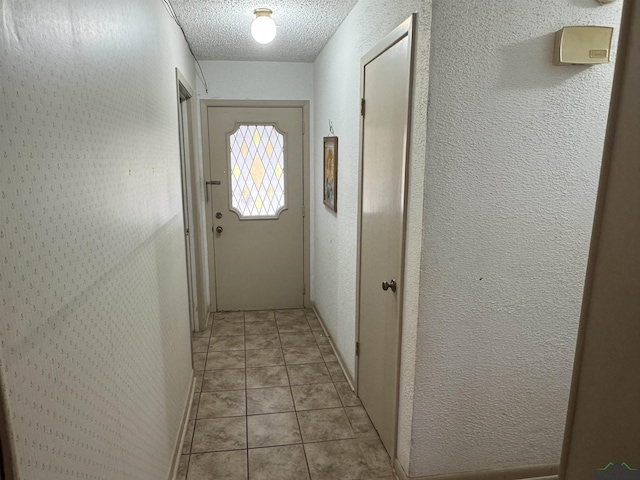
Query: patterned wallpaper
{"points": [[94, 333]]}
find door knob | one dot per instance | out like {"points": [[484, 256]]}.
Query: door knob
{"points": [[390, 285], [219, 229]]}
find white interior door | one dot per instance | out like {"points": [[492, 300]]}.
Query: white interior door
{"points": [[257, 211], [386, 85]]}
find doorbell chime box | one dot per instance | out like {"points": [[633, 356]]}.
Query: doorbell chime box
{"points": [[583, 45]]}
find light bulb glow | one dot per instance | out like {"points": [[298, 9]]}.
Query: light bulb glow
{"points": [[263, 28]]}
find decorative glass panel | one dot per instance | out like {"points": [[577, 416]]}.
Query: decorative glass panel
{"points": [[257, 171]]}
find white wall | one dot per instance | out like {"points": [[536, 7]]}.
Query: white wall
{"points": [[94, 329], [333, 256], [228, 80], [257, 80], [514, 152]]}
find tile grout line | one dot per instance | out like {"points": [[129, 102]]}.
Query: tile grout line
{"points": [[199, 397], [325, 366], [304, 450], [333, 381], [246, 399], [293, 400]]}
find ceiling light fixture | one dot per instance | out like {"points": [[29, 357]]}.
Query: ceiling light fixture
{"points": [[263, 27]]}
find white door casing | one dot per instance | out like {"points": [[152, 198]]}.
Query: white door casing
{"points": [[184, 92], [386, 87], [603, 424]]}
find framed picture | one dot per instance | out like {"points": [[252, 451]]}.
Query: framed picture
{"points": [[330, 177]]}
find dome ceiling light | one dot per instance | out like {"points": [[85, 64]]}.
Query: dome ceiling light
{"points": [[263, 28]]}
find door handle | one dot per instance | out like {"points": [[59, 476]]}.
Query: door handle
{"points": [[390, 285], [219, 229], [206, 188]]}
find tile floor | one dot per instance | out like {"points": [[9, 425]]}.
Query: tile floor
{"points": [[272, 403]]}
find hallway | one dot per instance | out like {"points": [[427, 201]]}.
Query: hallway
{"points": [[504, 160], [272, 402]]}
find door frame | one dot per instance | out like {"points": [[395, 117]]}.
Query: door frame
{"points": [[204, 124], [608, 320], [185, 93], [8, 458], [405, 29]]}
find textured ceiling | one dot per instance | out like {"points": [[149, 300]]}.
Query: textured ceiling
{"points": [[220, 29]]}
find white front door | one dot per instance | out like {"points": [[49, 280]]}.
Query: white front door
{"points": [[384, 148], [257, 196]]}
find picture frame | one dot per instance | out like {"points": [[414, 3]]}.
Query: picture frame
{"points": [[330, 173]]}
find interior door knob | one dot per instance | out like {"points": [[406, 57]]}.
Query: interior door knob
{"points": [[219, 229], [390, 285]]}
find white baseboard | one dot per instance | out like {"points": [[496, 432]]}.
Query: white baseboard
{"points": [[534, 472], [333, 346], [177, 451]]}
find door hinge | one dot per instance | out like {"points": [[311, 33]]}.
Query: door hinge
{"points": [[362, 106], [357, 349], [304, 289], [304, 212], [303, 130]]}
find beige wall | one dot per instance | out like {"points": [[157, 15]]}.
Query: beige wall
{"points": [[604, 423], [94, 327]]}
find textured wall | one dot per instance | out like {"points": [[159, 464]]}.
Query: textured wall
{"points": [[94, 328], [333, 256], [514, 151]]}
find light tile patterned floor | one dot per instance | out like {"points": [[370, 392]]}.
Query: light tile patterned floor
{"points": [[272, 403]]}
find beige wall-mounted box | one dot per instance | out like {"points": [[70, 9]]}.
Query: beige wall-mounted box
{"points": [[585, 45]]}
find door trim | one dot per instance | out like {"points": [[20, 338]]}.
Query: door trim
{"points": [[8, 455], [185, 94], [602, 302], [306, 167], [185, 91], [405, 29]]}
